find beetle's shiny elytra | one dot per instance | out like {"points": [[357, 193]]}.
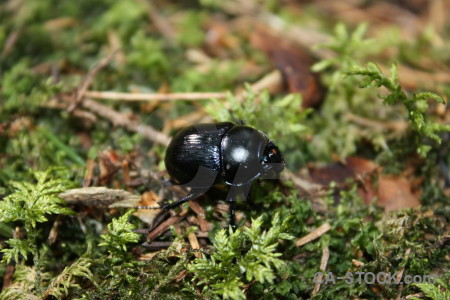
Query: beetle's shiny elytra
{"points": [[204, 154]]}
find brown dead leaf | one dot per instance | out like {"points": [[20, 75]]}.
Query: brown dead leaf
{"points": [[220, 39], [293, 62], [109, 164], [360, 166], [392, 192], [395, 193], [148, 199], [336, 172], [8, 276]]}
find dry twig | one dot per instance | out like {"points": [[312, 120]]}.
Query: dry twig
{"points": [[323, 267], [399, 126], [305, 186], [119, 119], [79, 93], [165, 225], [160, 22], [194, 244], [400, 275], [154, 96], [357, 263], [53, 235], [316, 233], [272, 79], [10, 42], [204, 225]]}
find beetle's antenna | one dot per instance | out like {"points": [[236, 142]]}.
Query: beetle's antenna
{"points": [[149, 207]]}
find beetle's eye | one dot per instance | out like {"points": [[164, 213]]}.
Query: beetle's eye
{"points": [[273, 152]]}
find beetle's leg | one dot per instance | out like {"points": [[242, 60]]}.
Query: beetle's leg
{"points": [[195, 193], [232, 215], [149, 207], [231, 200]]}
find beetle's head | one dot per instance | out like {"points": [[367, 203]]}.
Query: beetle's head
{"points": [[272, 161]]}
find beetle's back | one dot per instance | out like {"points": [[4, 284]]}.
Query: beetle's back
{"points": [[195, 146]]}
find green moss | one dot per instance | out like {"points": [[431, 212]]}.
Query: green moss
{"points": [[241, 257], [58, 42]]}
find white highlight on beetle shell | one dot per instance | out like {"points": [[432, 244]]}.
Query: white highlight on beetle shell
{"points": [[240, 154]]}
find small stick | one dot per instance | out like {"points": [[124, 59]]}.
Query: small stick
{"points": [[310, 189], [55, 103], [393, 125], [181, 275], [418, 295], [79, 94], [323, 267], [165, 225], [53, 235], [160, 22], [316, 233], [154, 96], [204, 226], [357, 263], [400, 275], [89, 177], [119, 119], [272, 79], [194, 244], [10, 42], [155, 245]]}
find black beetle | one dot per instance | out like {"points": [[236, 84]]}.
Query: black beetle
{"points": [[201, 155]]}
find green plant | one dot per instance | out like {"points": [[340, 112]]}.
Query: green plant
{"points": [[24, 286], [119, 235], [29, 204], [244, 255], [350, 47], [416, 104], [440, 290], [119, 272], [333, 132], [60, 285]]}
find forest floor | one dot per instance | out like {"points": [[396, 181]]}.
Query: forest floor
{"points": [[353, 93]]}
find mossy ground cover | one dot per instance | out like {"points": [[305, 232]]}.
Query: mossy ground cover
{"points": [[355, 99]]}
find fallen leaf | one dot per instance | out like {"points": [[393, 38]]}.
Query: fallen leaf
{"points": [[395, 193], [392, 192], [148, 199], [109, 164], [293, 62]]}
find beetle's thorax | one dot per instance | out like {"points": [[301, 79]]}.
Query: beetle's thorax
{"points": [[242, 149]]}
